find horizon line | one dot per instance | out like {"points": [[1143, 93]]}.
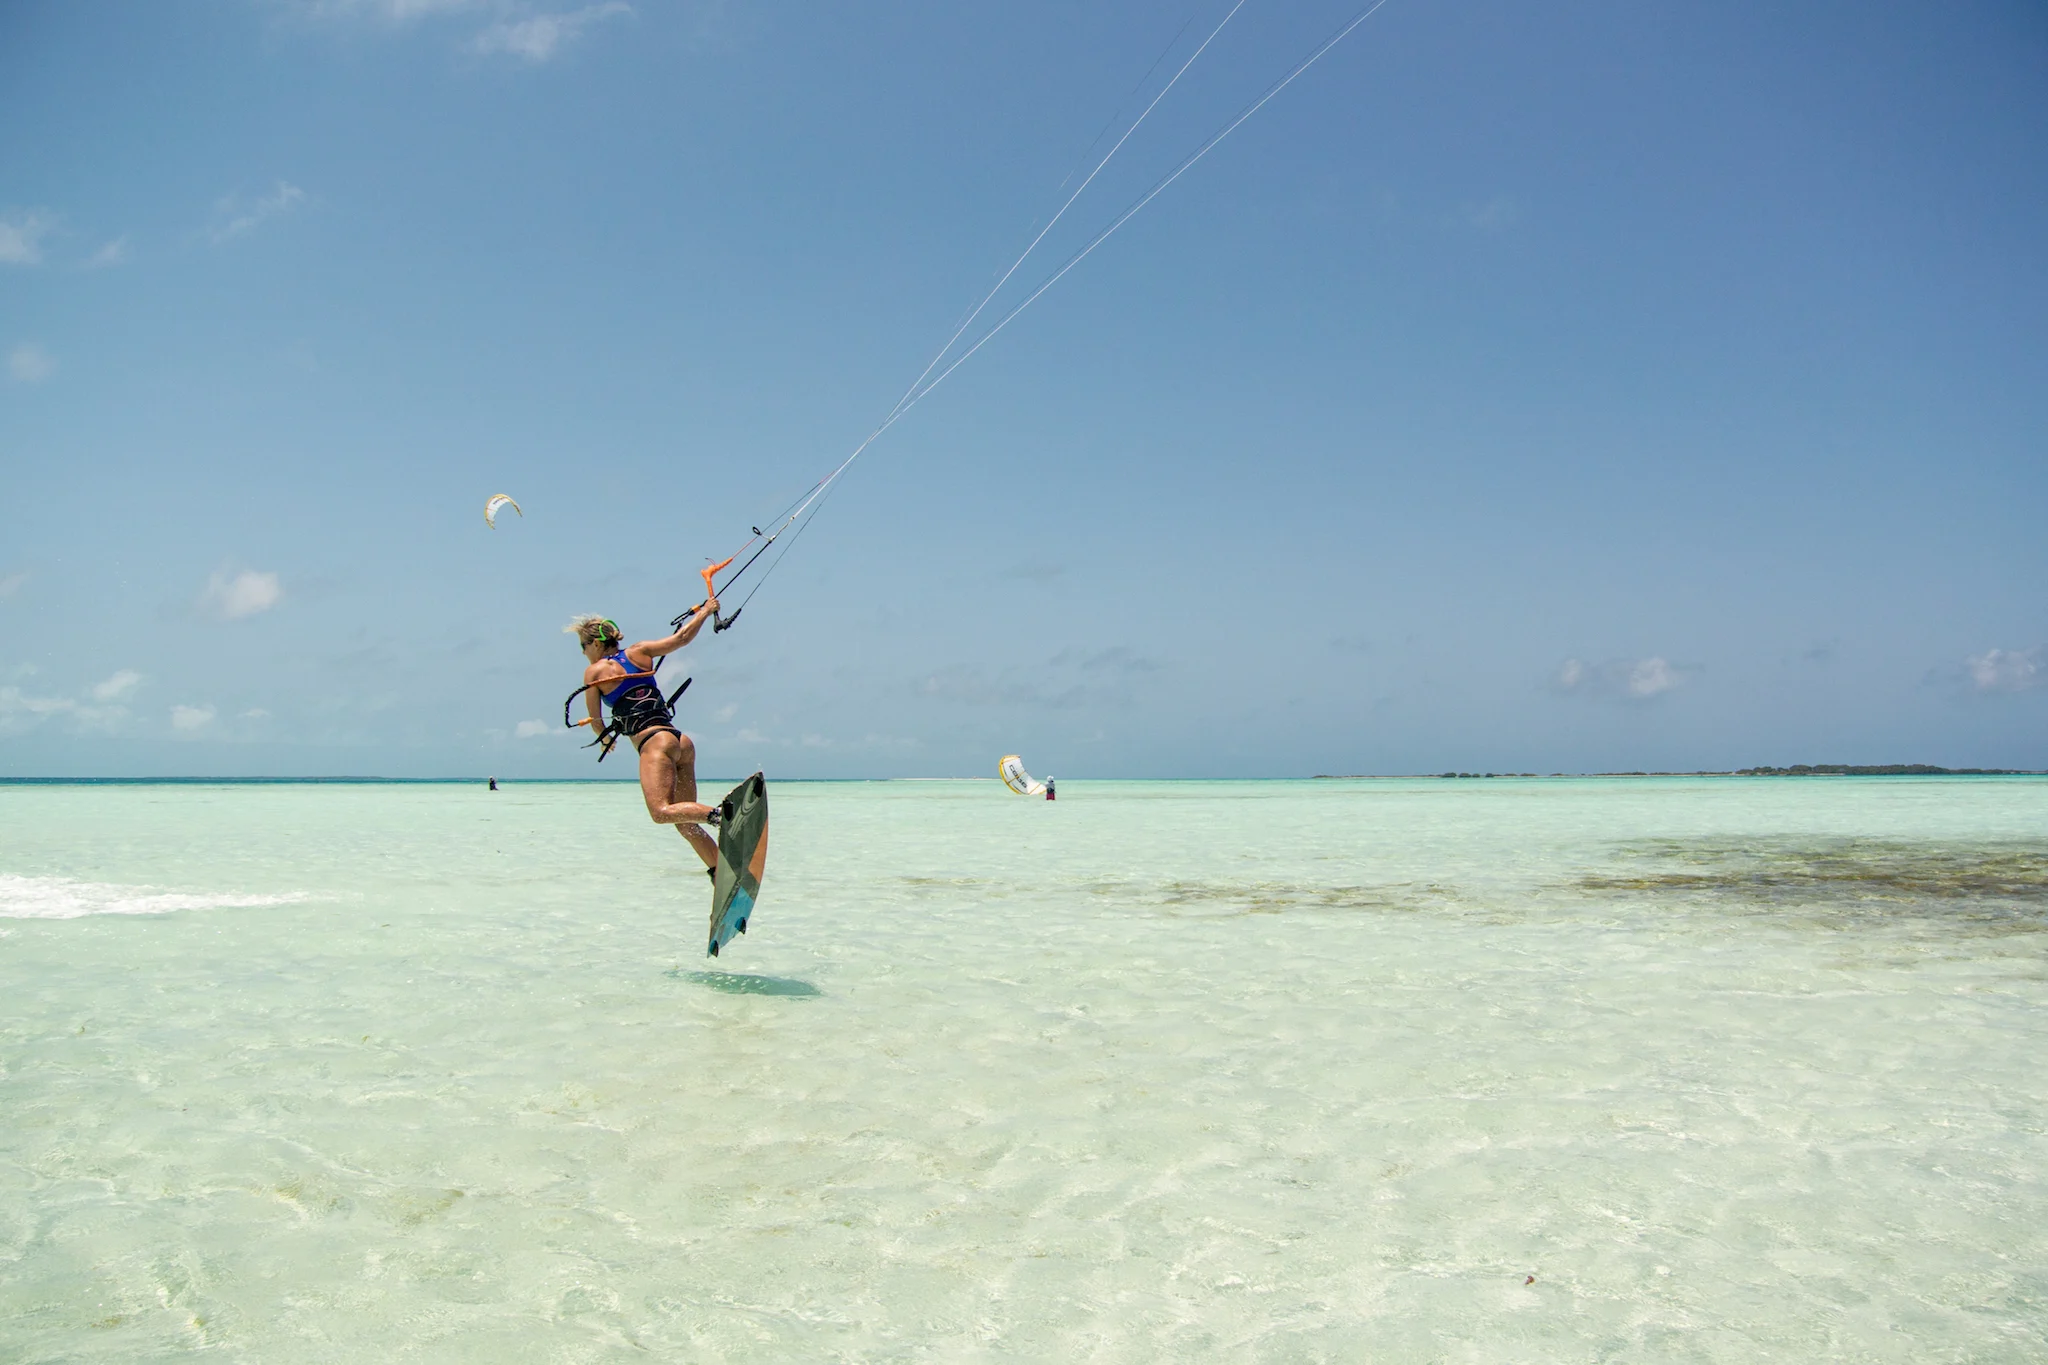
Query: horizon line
{"points": [[347, 779]]}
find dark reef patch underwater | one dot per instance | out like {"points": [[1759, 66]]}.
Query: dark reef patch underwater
{"points": [[1993, 887]]}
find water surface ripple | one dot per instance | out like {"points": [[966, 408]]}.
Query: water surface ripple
{"points": [[1672, 1070]]}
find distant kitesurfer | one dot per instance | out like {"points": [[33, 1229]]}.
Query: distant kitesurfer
{"points": [[494, 784], [621, 676]]}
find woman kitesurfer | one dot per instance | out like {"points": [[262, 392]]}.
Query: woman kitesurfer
{"points": [[621, 676]]}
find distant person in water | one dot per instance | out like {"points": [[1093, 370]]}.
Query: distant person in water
{"points": [[1049, 792], [494, 784], [621, 676]]}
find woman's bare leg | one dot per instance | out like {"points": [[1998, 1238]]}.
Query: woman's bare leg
{"points": [[684, 792], [668, 783]]}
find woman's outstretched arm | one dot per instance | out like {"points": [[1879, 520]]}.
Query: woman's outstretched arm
{"points": [[669, 644]]}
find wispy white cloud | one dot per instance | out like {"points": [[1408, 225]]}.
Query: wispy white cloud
{"points": [[530, 729], [1117, 659], [1034, 571], [11, 584], [113, 253], [16, 705], [1650, 677], [117, 686], [29, 363], [186, 719], [536, 38], [393, 12], [2008, 670], [1619, 679], [869, 741], [247, 593], [1496, 215], [102, 711], [21, 236], [237, 216]]}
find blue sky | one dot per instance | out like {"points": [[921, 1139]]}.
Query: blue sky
{"points": [[1548, 388]]}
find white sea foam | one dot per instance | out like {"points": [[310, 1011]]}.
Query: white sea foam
{"points": [[68, 898]]}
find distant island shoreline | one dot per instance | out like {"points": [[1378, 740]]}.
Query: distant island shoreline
{"points": [[1796, 770]]}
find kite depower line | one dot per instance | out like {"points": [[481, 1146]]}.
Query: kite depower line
{"points": [[798, 515]]}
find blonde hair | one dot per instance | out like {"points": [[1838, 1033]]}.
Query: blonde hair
{"points": [[590, 630]]}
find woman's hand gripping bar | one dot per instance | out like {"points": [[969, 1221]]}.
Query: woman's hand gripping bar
{"points": [[718, 622]]}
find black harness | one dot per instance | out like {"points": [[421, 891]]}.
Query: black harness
{"points": [[641, 708]]}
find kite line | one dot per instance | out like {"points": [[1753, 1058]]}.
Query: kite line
{"points": [[804, 510]]}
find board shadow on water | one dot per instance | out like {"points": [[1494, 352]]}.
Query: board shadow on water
{"points": [[740, 983]]}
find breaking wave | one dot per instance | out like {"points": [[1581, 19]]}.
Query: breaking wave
{"points": [[66, 898]]}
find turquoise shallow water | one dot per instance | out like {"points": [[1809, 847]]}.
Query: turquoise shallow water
{"points": [[1556, 1070]]}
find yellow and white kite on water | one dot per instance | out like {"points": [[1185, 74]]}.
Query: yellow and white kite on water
{"points": [[1016, 779], [494, 503]]}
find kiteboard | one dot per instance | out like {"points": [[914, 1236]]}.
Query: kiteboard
{"points": [[742, 854]]}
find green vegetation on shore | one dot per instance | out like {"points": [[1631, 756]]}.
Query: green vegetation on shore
{"points": [[1796, 770], [1879, 770]]}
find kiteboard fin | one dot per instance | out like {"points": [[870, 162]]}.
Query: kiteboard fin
{"points": [[742, 826]]}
